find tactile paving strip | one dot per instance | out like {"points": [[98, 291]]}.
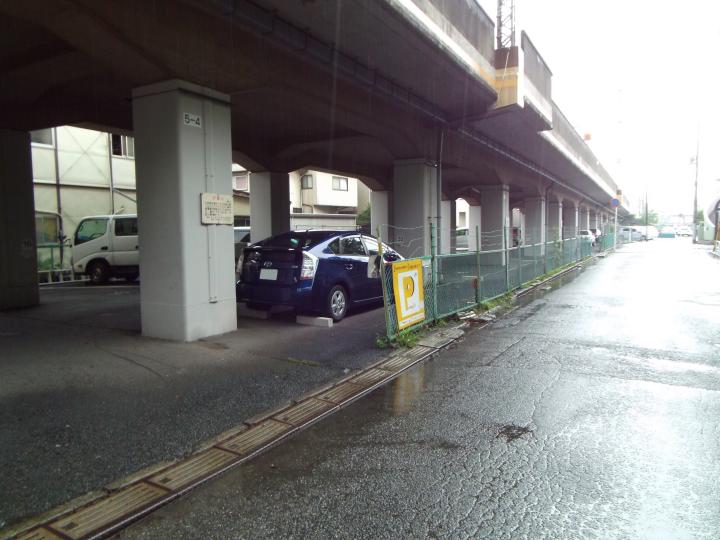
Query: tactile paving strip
{"points": [[370, 377], [408, 357], [304, 411], [341, 392], [102, 514], [108, 514], [255, 437], [40, 534], [193, 469]]}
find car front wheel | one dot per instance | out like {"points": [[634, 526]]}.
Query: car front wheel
{"points": [[337, 301]]}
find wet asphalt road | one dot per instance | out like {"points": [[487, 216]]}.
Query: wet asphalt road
{"points": [[593, 411], [85, 400]]}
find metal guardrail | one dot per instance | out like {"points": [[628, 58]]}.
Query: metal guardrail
{"points": [[54, 263]]}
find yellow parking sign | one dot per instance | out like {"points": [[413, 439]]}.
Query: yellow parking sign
{"points": [[408, 292]]}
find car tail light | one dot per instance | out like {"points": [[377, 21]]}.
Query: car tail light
{"points": [[241, 260], [309, 266]]}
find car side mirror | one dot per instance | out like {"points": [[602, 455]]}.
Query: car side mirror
{"points": [[390, 257], [373, 267]]}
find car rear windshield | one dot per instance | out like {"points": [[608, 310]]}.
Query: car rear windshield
{"points": [[296, 239]]}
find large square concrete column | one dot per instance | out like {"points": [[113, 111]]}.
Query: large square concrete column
{"points": [[182, 150], [18, 257], [447, 219], [570, 220], [495, 220], [474, 225], [414, 206], [535, 225], [584, 218], [269, 204], [554, 221], [379, 213]]}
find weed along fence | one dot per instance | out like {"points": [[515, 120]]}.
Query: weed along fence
{"points": [[423, 290]]}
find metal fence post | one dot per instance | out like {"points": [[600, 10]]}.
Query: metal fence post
{"points": [[433, 269], [519, 251], [478, 292], [506, 251], [383, 284]]}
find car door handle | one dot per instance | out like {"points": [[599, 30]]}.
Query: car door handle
{"points": [[348, 267], [104, 248]]}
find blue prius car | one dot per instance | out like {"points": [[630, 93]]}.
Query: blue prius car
{"points": [[318, 271]]}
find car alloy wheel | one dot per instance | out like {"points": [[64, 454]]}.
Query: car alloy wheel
{"points": [[337, 303]]}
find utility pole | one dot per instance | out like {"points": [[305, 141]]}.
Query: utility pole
{"points": [[646, 215], [695, 200], [505, 24]]}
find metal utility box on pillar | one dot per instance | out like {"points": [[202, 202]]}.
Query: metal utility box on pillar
{"points": [[18, 257], [183, 150]]}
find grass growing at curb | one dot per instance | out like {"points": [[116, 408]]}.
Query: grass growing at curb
{"points": [[503, 300]]}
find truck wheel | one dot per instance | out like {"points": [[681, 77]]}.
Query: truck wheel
{"points": [[337, 301], [99, 272]]}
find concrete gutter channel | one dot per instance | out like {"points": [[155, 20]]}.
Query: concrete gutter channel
{"points": [[101, 513]]}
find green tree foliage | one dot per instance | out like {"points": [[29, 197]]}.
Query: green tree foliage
{"points": [[639, 219], [363, 218]]}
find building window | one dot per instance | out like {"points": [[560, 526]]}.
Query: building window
{"points": [[241, 221], [297, 210], [123, 146], [241, 182], [306, 181], [339, 183], [47, 228], [42, 136]]}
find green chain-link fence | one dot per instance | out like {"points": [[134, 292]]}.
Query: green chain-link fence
{"points": [[458, 282]]}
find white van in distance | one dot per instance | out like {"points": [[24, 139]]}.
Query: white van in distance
{"points": [[105, 247]]}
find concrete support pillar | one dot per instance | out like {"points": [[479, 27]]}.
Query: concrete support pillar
{"points": [[414, 206], [535, 213], [379, 212], [517, 220], [269, 204], [595, 219], [474, 224], [554, 221], [182, 147], [453, 226], [447, 218], [495, 219], [18, 257], [570, 220], [584, 218]]}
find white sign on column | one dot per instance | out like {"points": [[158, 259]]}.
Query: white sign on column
{"points": [[216, 209]]}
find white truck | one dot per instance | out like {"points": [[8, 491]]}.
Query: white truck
{"points": [[107, 246]]}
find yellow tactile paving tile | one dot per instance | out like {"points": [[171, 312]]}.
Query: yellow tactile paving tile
{"points": [[193, 469], [103, 513]]}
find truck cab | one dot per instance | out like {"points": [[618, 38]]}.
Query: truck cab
{"points": [[105, 247]]}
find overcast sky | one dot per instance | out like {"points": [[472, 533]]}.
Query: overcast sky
{"points": [[643, 78]]}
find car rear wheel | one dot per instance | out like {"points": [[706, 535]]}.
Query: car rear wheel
{"points": [[337, 301], [98, 272]]}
